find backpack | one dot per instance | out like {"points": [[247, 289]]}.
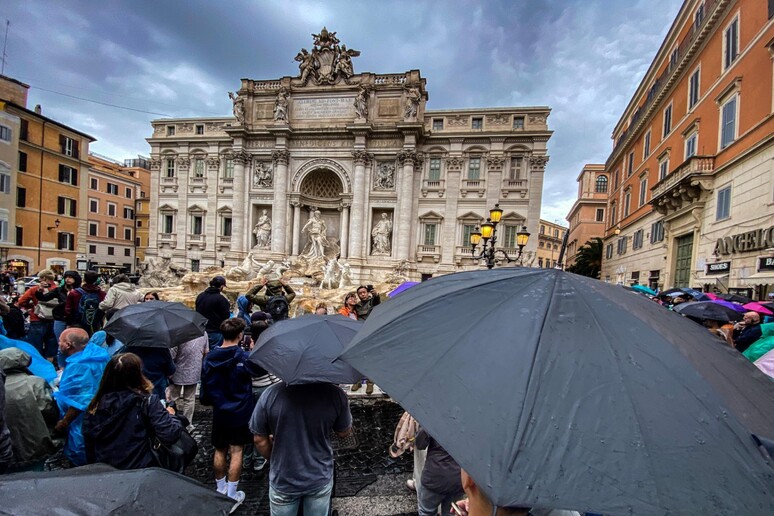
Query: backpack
{"points": [[278, 307], [89, 316]]}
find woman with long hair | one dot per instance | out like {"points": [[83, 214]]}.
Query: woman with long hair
{"points": [[123, 416]]}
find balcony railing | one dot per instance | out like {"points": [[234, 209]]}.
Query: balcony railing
{"points": [[433, 185], [697, 165], [223, 241], [473, 185], [429, 251]]}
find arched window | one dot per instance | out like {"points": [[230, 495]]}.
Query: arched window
{"points": [[601, 184]]}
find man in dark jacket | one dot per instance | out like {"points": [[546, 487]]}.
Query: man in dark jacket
{"points": [[213, 305], [85, 315], [369, 298], [227, 386], [441, 483], [747, 331]]}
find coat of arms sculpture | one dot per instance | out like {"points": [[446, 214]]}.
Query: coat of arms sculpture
{"points": [[328, 60]]}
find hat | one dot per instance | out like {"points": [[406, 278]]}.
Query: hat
{"points": [[218, 281], [260, 316]]}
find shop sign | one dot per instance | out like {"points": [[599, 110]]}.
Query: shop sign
{"points": [[756, 240], [766, 264], [718, 268]]}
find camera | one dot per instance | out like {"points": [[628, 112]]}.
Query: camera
{"points": [[369, 288]]}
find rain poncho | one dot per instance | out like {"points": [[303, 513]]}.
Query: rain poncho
{"points": [[763, 345], [243, 304], [99, 338], [766, 364], [39, 365], [77, 387]]}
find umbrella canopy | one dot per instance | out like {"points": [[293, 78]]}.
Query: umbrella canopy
{"points": [[557, 390], [728, 304], [711, 310], [402, 287], [303, 350], [734, 298], [156, 324], [643, 290], [97, 490], [683, 291], [757, 307]]}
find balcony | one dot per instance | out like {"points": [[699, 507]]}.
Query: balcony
{"points": [[226, 183], [197, 183], [684, 186], [223, 242], [431, 252], [476, 186], [168, 184], [463, 256], [514, 186], [435, 186], [195, 240], [168, 240]]}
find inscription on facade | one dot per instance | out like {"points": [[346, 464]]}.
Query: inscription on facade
{"points": [[264, 110], [389, 107], [333, 107]]}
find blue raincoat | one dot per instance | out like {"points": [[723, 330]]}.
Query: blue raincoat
{"points": [[77, 387], [39, 365], [244, 306], [99, 339]]}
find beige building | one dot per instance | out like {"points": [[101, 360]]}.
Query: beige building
{"points": [[9, 152], [550, 238], [356, 156], [587, 215]]}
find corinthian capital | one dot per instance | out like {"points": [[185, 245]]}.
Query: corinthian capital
{"points": [[280, 156], [242, 157], [538, 162], [155, 164], [362, 157], [408, 157], [495, 163], [454, 163], [183, 161]]}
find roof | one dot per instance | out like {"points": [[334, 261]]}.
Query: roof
{"points": [[49, 120]]}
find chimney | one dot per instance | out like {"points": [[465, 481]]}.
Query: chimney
{"points": [[38, 109]]}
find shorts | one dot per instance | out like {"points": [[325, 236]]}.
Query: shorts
{"points": [[224, 436]]}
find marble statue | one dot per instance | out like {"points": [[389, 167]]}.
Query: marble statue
{"points": [[344, 62], [315, 228], [239, 106], [381, 234], [361, 103], [262, 176], [413, 96], [345, 279], [306, 65], [385, 177], [281, 106], [158, 272], [327, 62], [330, 275], [262, 231]]}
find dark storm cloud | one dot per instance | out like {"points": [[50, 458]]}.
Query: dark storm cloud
{"points": [[583, 58]]}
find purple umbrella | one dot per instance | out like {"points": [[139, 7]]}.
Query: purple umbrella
{"points": [[728, 304], [403, 286]]}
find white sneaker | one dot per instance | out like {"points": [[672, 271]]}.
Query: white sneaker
{"points": [[410, 484], [239, 497]]}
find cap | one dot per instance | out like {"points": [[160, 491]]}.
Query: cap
{"points": [[218, 281], [260, 316]]}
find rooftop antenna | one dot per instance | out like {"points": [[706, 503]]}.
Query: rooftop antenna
{"points": [[5, 45]]}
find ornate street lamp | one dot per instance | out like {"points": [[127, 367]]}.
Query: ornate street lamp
{"points": [[488, 233]]}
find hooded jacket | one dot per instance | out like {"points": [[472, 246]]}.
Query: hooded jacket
{"points": [[214, 306], [30, 410], [117, 434], [119, 296], [227, 385], [74, 298], [60, 294]]}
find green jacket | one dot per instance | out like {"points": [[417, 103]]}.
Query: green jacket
{"points": [[763, 345], [273, 288]]}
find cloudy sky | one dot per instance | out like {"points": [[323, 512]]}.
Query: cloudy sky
{"points": [[583, 58]]}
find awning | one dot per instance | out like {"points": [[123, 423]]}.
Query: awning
{"points": [[760, 278], [711, 279]]}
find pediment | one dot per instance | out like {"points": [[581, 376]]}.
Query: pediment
{"points": [[167, 207], [196, 207], [431, 215], [471, 216]]}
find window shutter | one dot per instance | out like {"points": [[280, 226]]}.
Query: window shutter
{"points": [[76, 146], [73, 208], [60, 209], [62, 143], [60, 240], [22, 161], [61, 173]]}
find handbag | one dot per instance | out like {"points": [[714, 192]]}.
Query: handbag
{"points": [[173, 457], [45, 309]]}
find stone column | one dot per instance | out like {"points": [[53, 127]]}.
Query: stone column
{"points": [[239, 213], [355, 248], [344, 230], [182, 224], [407, 158], [296, 229], [281, 157], [537, 169], [448, 237]]}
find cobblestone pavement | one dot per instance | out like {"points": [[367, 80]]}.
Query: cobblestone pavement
{"points": [[368, 481]]}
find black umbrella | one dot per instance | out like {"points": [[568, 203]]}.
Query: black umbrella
{"points": [[684, 291], [708, 310], [156, 324], [303, 350], [734, 298], [557, 390], [98, 490]]}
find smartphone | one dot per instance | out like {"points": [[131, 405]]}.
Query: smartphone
{"points": [[456, 509]]}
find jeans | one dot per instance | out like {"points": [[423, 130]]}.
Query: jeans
{"points": [[317, 503], [41, 335], [428, 501], [59, 327], [215, 338]]}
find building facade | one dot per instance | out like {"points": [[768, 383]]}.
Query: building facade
{"points": [[549, 245], [357, 155], [140, 167], [9, 153], [587, 215], [692, 195]]}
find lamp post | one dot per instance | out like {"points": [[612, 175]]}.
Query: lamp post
{"points": [[488, 233]]}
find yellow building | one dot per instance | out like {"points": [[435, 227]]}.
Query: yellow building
{"points": [[549, 243], [140, 168]]}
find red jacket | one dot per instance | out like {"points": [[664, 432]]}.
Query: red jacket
{"points": [[28, 302], [74, 298]]}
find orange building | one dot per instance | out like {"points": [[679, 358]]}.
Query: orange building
{"points": [[550, 238], [691, 196], [587, 215], [50, 203]]}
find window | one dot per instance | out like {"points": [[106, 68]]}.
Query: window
{"points": [[601, 184], [600, 215], [5, 133], [170, 168], [195, 264], [430, 233], [66, 206], [723, 210], [693, 89], [541, 244], [667, 120], [643, 190], [657, 232], [93, 249], [111, 209], [127, 252], [434, 172], [663, 168], [613, 214], [518, 122], [5, 183], [94, 183], [698, 17], [111, 231], [199, 129], [690, 144], [517, 167], [637, 239], [467, 229], [228, 170], [509, 239], [24, 130], [474, 168], [609, 251], [556, 233], [69, 146], [139, 223], [617, 178], [198, 167], [168, 223], [127, 234], [196, 225], [22, 161], [68, 175], [731, 43], [93, 229], [170, 130], [674, 56], [93, 206], [622, 244], [630, 165], [66, 241], [128, 213], [437, 124], [128, 193], [477, 123], [111, 250], [646, 146], [540, 262], [19, 236], [225, 228], [627, 202], [3, 230], [112, 189], [542, 229], [728, 122]]}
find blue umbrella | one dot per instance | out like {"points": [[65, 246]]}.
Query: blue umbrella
{"points": [[642, 289], [402, 287]]}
